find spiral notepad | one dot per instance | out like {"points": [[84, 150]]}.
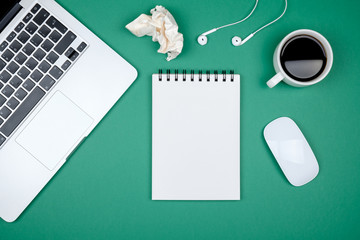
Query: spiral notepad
{"points": [[196, 135]]}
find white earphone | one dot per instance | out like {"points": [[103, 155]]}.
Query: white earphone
{"points": [[237, 41]]}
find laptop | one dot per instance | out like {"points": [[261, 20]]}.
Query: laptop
{"points": [[57, 81]]}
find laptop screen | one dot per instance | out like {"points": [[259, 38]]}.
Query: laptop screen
{"points": [[8, 9]]}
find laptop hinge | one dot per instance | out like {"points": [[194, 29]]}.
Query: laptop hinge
{"points": [[9, 16]]}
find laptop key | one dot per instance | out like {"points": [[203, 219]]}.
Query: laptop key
{"points": [[11, 36], [28, 85], [1, 122], [22, 111], [5, 112], [52, 57], [23, 72], [31, 28], [71, 54], [55, 72], [31, 63], [3, 45], [20, 94], [5, 76], [74, 55], [2, 100], [44, 66], [65, 42], [36, 8], [12, 67], [47, 45], [2, 64], [36, 40], [20, 58], [12, 103], [19, 27], [7, 55], [27, 18], [47, 82], [15, 82], [66, 65], [54, 23], [28, 49], [15, 46], [36, 75], [23, 37], [2, 138], [7, 91], [82, 46], [44, 31], [1, 85], [41, 17], [55, 36], [39, 54]]}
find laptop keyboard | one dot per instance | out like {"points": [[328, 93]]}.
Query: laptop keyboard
{"points": [[34, 57]]}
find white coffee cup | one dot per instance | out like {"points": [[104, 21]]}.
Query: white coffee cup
{"points": [[281, 74]]}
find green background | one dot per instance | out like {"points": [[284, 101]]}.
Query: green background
{"points": [[104, 190]]}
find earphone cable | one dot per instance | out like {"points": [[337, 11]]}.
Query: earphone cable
{"points": [[242, 20], [266, 25]]}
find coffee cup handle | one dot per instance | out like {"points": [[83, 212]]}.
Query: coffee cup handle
{"points": [[275, 80]]}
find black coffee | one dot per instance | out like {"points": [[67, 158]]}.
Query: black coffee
{"points": [[303, 58]]}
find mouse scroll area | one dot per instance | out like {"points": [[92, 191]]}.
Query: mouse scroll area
{"points": [[291, 150]]}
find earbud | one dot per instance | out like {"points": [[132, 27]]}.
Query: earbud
{"points": [[236, 41], [202, 40]]}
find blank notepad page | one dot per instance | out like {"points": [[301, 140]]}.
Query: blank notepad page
{"points": [[196, 137]]}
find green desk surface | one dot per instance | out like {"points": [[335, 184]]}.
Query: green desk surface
{"points": [[104, 190]]}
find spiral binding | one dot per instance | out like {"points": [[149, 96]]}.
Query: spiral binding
{"points": [[218, 76], [176, 74], [168, 74], [160, 75]]}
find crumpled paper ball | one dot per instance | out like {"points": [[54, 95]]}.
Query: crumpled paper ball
{"points": [[163, 28]]}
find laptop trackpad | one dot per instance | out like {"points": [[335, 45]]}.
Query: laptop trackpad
{"points": [[54, 131]]}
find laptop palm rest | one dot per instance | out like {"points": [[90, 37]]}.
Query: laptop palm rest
{"points": [[58, 126]]}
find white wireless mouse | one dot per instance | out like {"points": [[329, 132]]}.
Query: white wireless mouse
{"points": [[291, 151]]}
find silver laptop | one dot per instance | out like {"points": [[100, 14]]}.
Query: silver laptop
{"points": [[57, 81]]}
